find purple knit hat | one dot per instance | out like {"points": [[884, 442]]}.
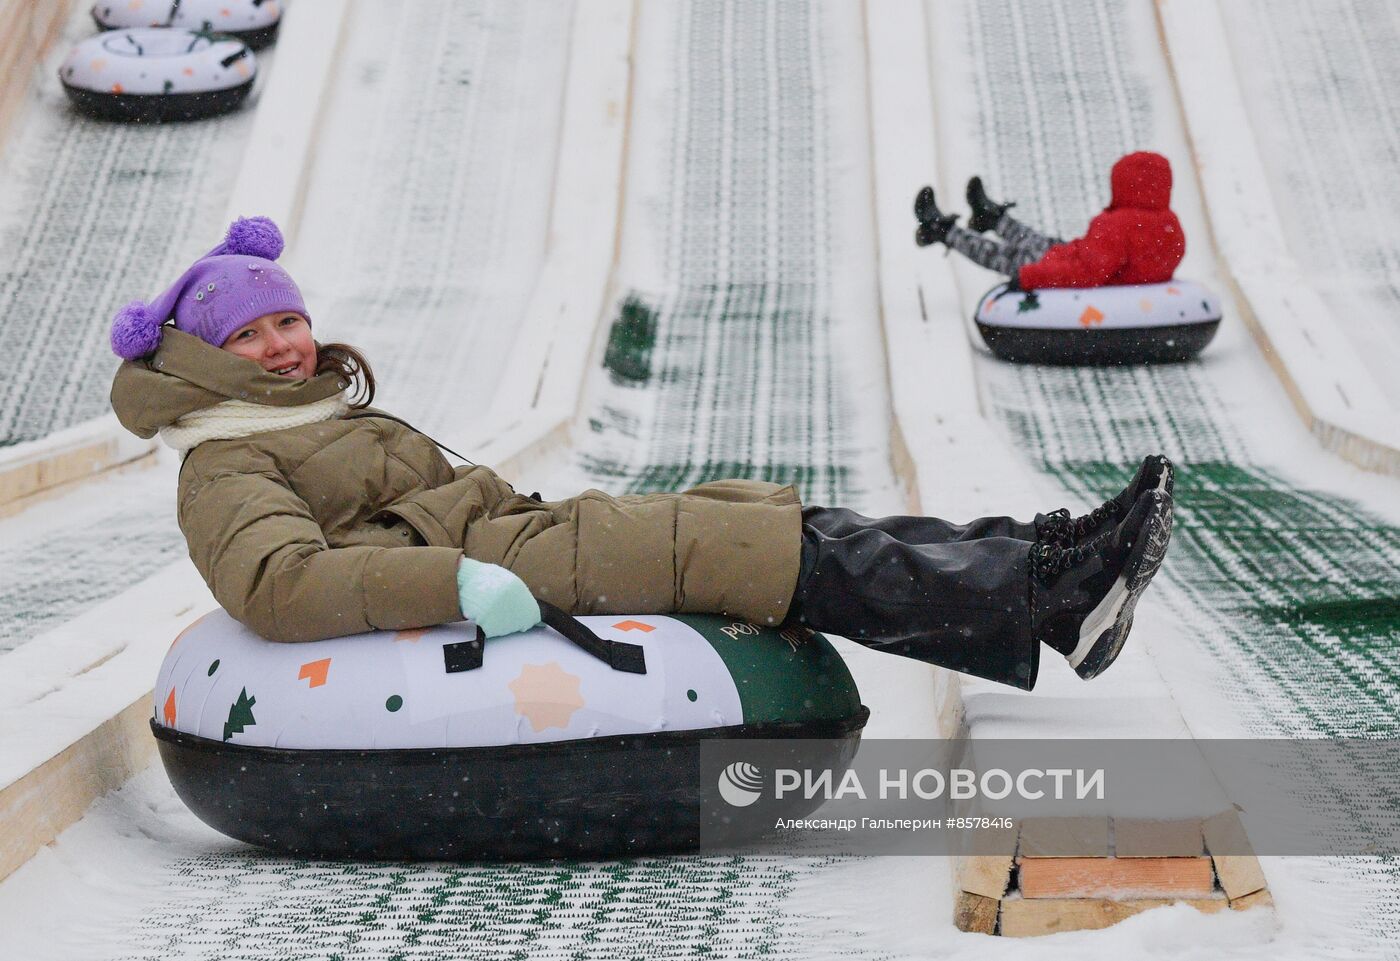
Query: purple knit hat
{"points": [[235, 283]]}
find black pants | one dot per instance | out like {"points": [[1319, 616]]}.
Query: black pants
{"points": [[955, 595]]}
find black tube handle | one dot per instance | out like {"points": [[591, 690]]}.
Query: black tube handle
{"points": [[464, 655], [619, 655]]}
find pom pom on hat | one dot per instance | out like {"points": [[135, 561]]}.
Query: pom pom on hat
{"points": [[253, 237], [242, 294], [135, 331]]}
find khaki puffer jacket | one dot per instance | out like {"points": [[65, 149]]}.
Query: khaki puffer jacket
{"points": [[354, 524]]}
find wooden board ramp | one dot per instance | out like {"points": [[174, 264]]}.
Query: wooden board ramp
{"points": [[33, 471], [1084, 874]]}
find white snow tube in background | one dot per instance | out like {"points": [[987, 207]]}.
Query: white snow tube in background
{"points": [[154, 74], [254, 22], [581, 738], [1130, 324]]}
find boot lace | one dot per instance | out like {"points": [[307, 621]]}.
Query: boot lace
{"points": [[1107, 511], [1047, 560], [1057, 528], [1061, 530]]}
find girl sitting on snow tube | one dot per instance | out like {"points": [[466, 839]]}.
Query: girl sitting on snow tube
{"points": [[312, 515], [1136, 240]]}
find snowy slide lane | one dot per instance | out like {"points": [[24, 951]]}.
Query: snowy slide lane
{"points": [[424, 226], [746, 345], [65, 555], [1280, 586], [1322, 83], [73, 555], [93, 215]]}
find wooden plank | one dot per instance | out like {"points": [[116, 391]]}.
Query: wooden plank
{"points": [[975, 913], [1235, 863], [16, 64], [65, 457], [1117, 878], [1024, 919], [27, 30], [1137, 838], [38, 806], [14, 27], [1259, 899], [1064, 838], [1240, 875], [986, 874]]}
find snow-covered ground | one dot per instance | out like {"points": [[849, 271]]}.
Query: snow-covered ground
{"points": [[1320, 81], [423, 230], [748, 244]]}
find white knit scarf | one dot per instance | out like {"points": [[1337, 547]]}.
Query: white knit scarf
{"points": [[238, 418]]}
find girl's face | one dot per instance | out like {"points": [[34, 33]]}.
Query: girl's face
{"points": [[280, 343]]}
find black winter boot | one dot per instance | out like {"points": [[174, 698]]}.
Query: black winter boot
{"points": [[986, 213], [933, 223], [1082, 598], [926, 206], [954, 595], [1057, 527]]}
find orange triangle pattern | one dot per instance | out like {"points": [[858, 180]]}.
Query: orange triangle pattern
{"points": [[1091, 316], [315, 671], [170, 709], [634, 626]]}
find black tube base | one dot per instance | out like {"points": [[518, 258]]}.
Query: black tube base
{"points": [[1103, 347], [157, 108], [601, 798]]}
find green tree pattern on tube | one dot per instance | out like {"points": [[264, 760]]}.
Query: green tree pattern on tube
{"points": [[240, 715]]}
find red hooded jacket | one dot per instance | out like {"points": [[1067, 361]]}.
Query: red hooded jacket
{"points": [[1136, 240]]}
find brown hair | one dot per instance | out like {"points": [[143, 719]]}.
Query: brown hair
{"points": [[350, 364]]}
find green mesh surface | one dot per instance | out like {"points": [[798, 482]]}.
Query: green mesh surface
{"points": [[1300, 585], [275, 908]]}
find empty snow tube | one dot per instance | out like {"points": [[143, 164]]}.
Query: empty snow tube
{"points": [[254, 22], [153, 74], [1131, 324], [438, 744]]}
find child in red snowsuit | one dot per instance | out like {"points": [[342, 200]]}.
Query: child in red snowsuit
{"points": [[1135, 240]]}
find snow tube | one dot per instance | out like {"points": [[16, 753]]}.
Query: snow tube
{"points": [[1130, 324], [152, 74], [254, 22], [580, 738]]}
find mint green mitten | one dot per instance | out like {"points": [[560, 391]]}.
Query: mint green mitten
{"points": [[493, 597]]}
